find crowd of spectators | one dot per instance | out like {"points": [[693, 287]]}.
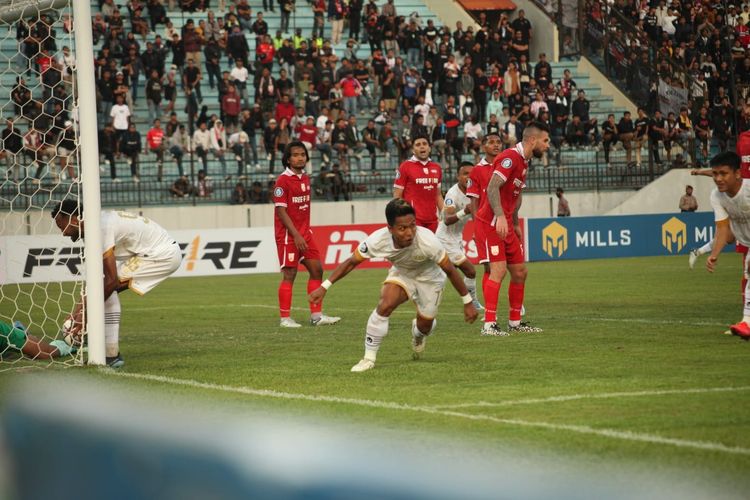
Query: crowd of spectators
{"points": [[397, 78]]}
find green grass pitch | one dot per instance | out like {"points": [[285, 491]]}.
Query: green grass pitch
{"points": [[632, 366]]}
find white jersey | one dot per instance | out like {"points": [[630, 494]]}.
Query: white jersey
{"points": [[736, 209], [458, 199], [418, 261], [131, 235]]}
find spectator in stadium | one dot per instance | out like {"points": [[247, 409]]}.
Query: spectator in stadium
{"points": [[336, 15], [12, 147], [239, 195], [323, 143], [191, 79], [154, 92], [238, 144], [657, 133], [156, 144], [212, 53], [563, 207], [181, 187], [626, 133], [640, 137], [130, 146], [219, 146], [473, 137], [178, 145], [370, 138], [575, 135], [66, 147], [271, 142], [582, 107], [202, 144], [257, 194], [231, 108], [203, 187], [688, 202], [252, 120], [609, 137], [120, 115]]}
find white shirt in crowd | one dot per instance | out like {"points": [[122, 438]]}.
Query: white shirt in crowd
{"points": [[218, 138], [202, 138], [473, 130], [120, 114], [239, 74]]}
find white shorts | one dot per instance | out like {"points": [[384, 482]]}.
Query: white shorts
{"points": [[426, 294], [143, 273], [455, 250]]}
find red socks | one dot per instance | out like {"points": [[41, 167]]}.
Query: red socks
{"points": [[285, 299], [515, 300], [313, 285], [491, 291]]}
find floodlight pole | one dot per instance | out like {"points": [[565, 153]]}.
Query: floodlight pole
{"points": [[89, 174]]}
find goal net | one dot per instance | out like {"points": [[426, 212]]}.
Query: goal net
{"points": [[41, 103]]}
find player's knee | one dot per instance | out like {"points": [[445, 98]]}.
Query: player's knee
{"points": [[377, 324], [315, 270], [518, 273], [288, 273]]}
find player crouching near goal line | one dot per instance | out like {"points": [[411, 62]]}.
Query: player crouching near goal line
{"points": [[138, 254], [418, 262]]}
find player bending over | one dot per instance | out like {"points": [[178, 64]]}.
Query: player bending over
{"points": [[451, 229], [499, 231], [138, 254], [294, 239], [731, 203], [420, 265], [15, 338]]}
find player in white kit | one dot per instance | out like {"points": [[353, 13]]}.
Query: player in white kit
{"points": [[731, 203], [138, 254], [450, 230], [420, 265]]}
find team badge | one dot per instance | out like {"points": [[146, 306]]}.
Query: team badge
{"points": [[398, 174], [494, 249], [303, 186], [448, 202], [506, 163], [290, 257], [426, 171], [278, 192], [468, 183]]}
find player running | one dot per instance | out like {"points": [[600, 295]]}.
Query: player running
{"points": [[420, 265], [451, 229], [138, 254], [294, 239], [731, 203], [499, 231], [418, 182]]}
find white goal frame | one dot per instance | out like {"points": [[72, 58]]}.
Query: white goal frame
{"points": [[85, 97]]}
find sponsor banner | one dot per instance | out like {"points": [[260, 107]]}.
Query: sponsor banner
{"points": [[618, 236], [32, 259]]}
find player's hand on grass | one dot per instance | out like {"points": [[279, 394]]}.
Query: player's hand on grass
{"points": [[501, 227], [300, 243], [470, 313], [711, 263], [317, 295]]}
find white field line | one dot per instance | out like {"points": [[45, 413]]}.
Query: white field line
{"points": [[407, 310], [606, 395], [580, 429]]}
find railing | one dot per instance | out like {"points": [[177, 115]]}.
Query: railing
{"points": [[570, 169]]}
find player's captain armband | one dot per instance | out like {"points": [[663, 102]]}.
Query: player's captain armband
{"points": [[360, 253], [722, 222]]}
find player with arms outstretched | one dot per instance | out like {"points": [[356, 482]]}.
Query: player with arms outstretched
{"points": [[731, 203], [418, 182], [420, 265], [499, 230], [451, 229], [138, 254], [294, 239], [15, 338]]}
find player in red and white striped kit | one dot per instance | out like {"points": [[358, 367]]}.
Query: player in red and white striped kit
{"points": [[418, 181], [294, 240], [498, 229]]}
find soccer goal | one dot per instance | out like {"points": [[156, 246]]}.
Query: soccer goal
{"points": [[49, 153]]}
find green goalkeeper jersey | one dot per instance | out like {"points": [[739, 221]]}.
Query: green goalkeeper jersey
{"points": [[11, 336]]}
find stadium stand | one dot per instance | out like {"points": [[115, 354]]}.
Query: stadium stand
{"points": [[473, 73]]}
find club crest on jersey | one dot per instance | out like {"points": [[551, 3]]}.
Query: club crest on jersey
{"points": [[426, 171], [506, 163], [448, 202], [494, 249], [468, 183], [278, 192], [398, 174]]}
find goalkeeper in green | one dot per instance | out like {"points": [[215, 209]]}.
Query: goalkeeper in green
{"points": [[14, 338]]}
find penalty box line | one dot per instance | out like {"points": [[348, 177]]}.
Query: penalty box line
{"points": [[579, 429], [441, 313]]}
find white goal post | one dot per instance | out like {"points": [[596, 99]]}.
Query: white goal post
{"points": [[84, 104]]}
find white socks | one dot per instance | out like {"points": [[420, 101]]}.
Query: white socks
{"points": [[377, 328], [112, 325], [706, 248]]}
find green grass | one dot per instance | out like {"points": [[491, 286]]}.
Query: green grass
{"points": [[611, 326]]}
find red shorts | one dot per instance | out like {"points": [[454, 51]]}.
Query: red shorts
{"points": [[509, 250], [431, 225], [289, 254], [479, 242], [740, 248]]}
